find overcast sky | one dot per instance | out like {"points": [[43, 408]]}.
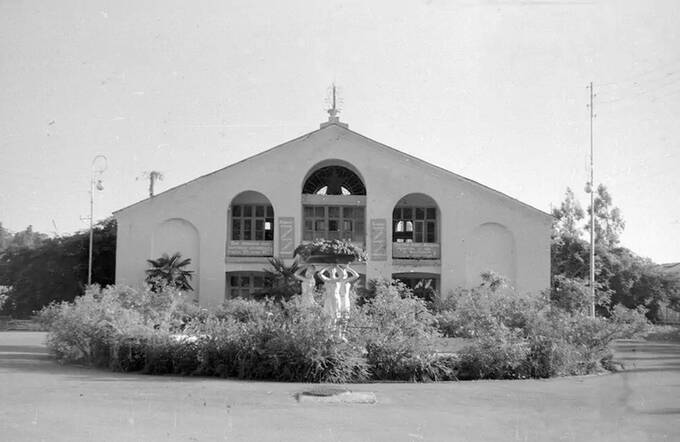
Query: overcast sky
{"points": [[492, 90]]}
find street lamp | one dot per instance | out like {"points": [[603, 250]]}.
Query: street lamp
{"points": [[99, 165]]}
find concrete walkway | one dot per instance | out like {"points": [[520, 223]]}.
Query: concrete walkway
{"points": [[42, 400]]}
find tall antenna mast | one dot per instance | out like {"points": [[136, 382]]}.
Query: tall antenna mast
{"points": [[592, 209]]}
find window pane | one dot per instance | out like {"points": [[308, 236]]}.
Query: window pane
{"points": [[270, 212], [399, 226], [308, 235], [347, 225], [309, 224], [319, 212], [348, 212], [409, 226], [432, 213], [247, 210], [233, 281], [320, 225], [259, 225], [420, 213], [234, 293], [333, 225], [358, 212], [419, 231], [309, 211], [431, 231], [334, 212], [258, 282], [408, 213], [247, 229], [236, 210], [236, 229], [259, 211], [244, 281], [396, 213]]}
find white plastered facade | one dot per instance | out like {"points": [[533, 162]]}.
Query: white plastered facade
{"points": [[478, 228]]}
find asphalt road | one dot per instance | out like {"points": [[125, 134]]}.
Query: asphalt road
{"points": [[42, 400]]}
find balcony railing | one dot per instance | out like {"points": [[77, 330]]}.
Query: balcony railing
{"points": [[413, 250]]}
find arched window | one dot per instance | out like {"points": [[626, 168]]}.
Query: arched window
{"points": [[333, 204], [334, 180], [415, 228], [416, 224], [250, 228]]}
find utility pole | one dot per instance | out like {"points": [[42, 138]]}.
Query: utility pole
{"points": [[592, 209]]}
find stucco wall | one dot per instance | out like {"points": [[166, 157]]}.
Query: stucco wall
{"points": [[389, 175]]}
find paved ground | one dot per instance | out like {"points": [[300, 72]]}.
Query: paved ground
{"points": [[41, 400]]}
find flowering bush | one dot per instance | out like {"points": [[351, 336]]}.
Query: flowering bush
{"points": [[335, 247]]}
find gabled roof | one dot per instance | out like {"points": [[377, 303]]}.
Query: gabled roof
{"points": [[343, 126]]}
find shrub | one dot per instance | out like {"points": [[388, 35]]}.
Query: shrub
{"points": [[475, 312], [499, 355], [105, 324], [243, 310], [397, 331], [391, 336], [84, 331]]}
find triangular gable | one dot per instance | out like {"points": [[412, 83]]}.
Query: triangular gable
{"points": [[371, 141]]}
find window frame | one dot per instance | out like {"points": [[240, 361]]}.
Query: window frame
{"points": [[334, 222], [253, 219], [415, 224], [240, 290]]}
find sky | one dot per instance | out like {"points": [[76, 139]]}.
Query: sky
{"points": [[495, 91]]}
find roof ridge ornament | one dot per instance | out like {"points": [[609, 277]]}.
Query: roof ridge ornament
{"points": [[334, 103]]}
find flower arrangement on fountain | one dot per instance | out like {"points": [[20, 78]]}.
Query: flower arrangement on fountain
{"points": [[330, 251]]}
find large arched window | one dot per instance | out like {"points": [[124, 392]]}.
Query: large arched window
{"points": [[333, 203]]}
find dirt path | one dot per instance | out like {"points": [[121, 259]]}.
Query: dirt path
{"points": [[41, 400]]}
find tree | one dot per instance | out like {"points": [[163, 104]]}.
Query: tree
{"points": [[55, 269], [5, 238], [153, 176], [169, 271], [279, 281], [27, 238], [570, 259], [608, 220], [567, 218]]}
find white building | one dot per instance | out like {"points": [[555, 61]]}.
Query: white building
{"points": [[414, 219]]}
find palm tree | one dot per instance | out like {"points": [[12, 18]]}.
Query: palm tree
{"points": [[169, 271], [279, 282]]}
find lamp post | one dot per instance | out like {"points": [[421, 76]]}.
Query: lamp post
{"points": [[98, 171]]}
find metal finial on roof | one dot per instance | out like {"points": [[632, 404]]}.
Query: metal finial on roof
{"points": [[333, 111], [334, 102]]}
